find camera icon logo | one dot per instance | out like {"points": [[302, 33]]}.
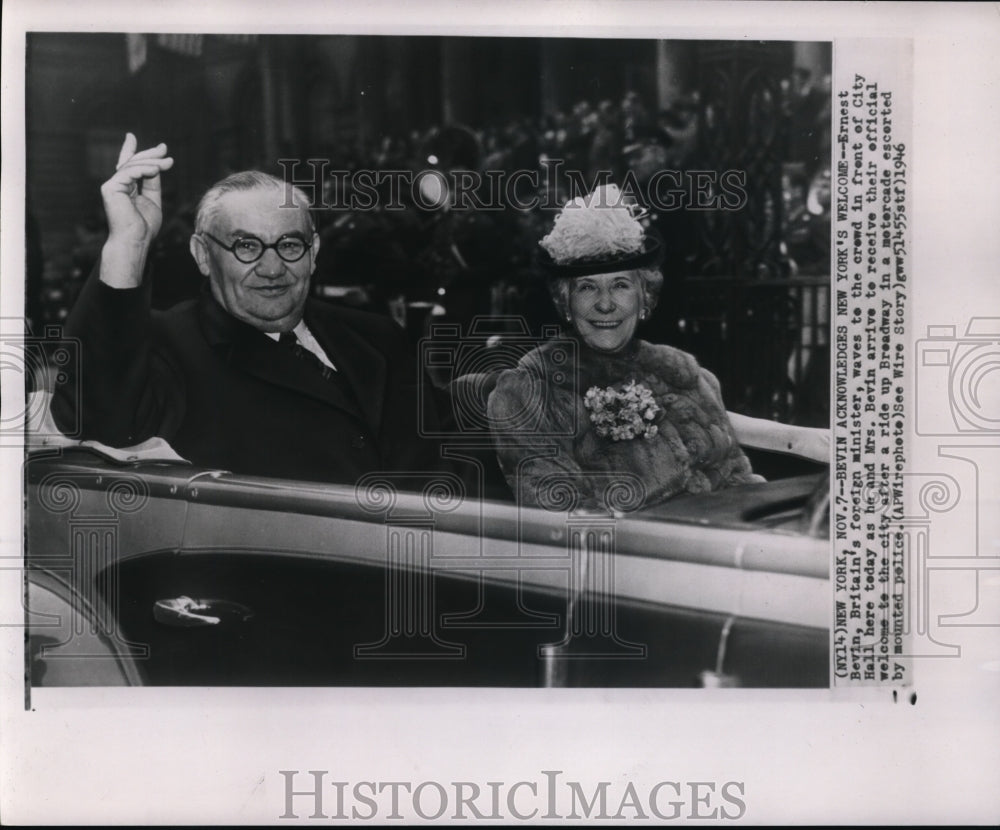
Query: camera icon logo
{"points": [[958, 379], [46, 364], [468, 367]]}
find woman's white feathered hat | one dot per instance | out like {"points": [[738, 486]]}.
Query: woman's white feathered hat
{"points": [[598, 234]]}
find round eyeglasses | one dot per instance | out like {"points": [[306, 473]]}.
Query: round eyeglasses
{"points": [[249, 249]]}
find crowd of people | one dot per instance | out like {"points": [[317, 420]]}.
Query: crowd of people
{"points": [[473, 261]]}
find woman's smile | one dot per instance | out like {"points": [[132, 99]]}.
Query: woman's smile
{"points": [[604, 309]]}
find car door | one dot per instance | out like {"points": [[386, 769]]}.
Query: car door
{"points": [[200, 577]]}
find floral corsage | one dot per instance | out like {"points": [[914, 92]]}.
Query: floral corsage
{"points": [[623, 415]]}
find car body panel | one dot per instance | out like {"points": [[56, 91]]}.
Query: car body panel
{"points": [[64, 647], [381, 585]]}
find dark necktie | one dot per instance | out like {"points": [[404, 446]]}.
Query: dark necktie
{"points": [[290, 341], [337, 384]]}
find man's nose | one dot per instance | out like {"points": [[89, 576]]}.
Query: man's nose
{"points": [[270, 265]]}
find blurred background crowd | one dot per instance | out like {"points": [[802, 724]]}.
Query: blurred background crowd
{"points": [[746, 289]]}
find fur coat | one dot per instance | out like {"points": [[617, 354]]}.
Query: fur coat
{"points": [[552, 455]]}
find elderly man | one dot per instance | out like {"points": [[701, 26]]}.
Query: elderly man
{"points": [[254, 376]]}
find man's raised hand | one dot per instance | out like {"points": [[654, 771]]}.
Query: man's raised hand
{"points": [[132, 203]]}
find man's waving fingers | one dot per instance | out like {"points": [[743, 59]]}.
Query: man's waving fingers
{"points": [[147, 170], [127, 150], [159, 151], [132, 199]]}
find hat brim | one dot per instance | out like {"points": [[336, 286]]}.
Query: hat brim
{"points": [[650, 256]]}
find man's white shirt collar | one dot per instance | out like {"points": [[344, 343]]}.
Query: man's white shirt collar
{"points": [[307, 341]]}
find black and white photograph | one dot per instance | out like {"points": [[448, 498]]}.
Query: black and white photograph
{"points": [[553, 407], [420, 415]]}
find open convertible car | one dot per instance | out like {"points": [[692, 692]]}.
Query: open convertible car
{"points": [[143, 569]]}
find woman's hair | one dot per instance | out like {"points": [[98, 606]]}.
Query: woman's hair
{"points": [[650, 282]]}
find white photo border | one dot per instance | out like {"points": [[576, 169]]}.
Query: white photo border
{"points": [[211, 756]]}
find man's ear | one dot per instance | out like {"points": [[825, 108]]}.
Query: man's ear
{"points": [[200, 253], [315, 250]]}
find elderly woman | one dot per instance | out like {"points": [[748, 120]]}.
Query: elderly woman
{"points": [[598, 406]]}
